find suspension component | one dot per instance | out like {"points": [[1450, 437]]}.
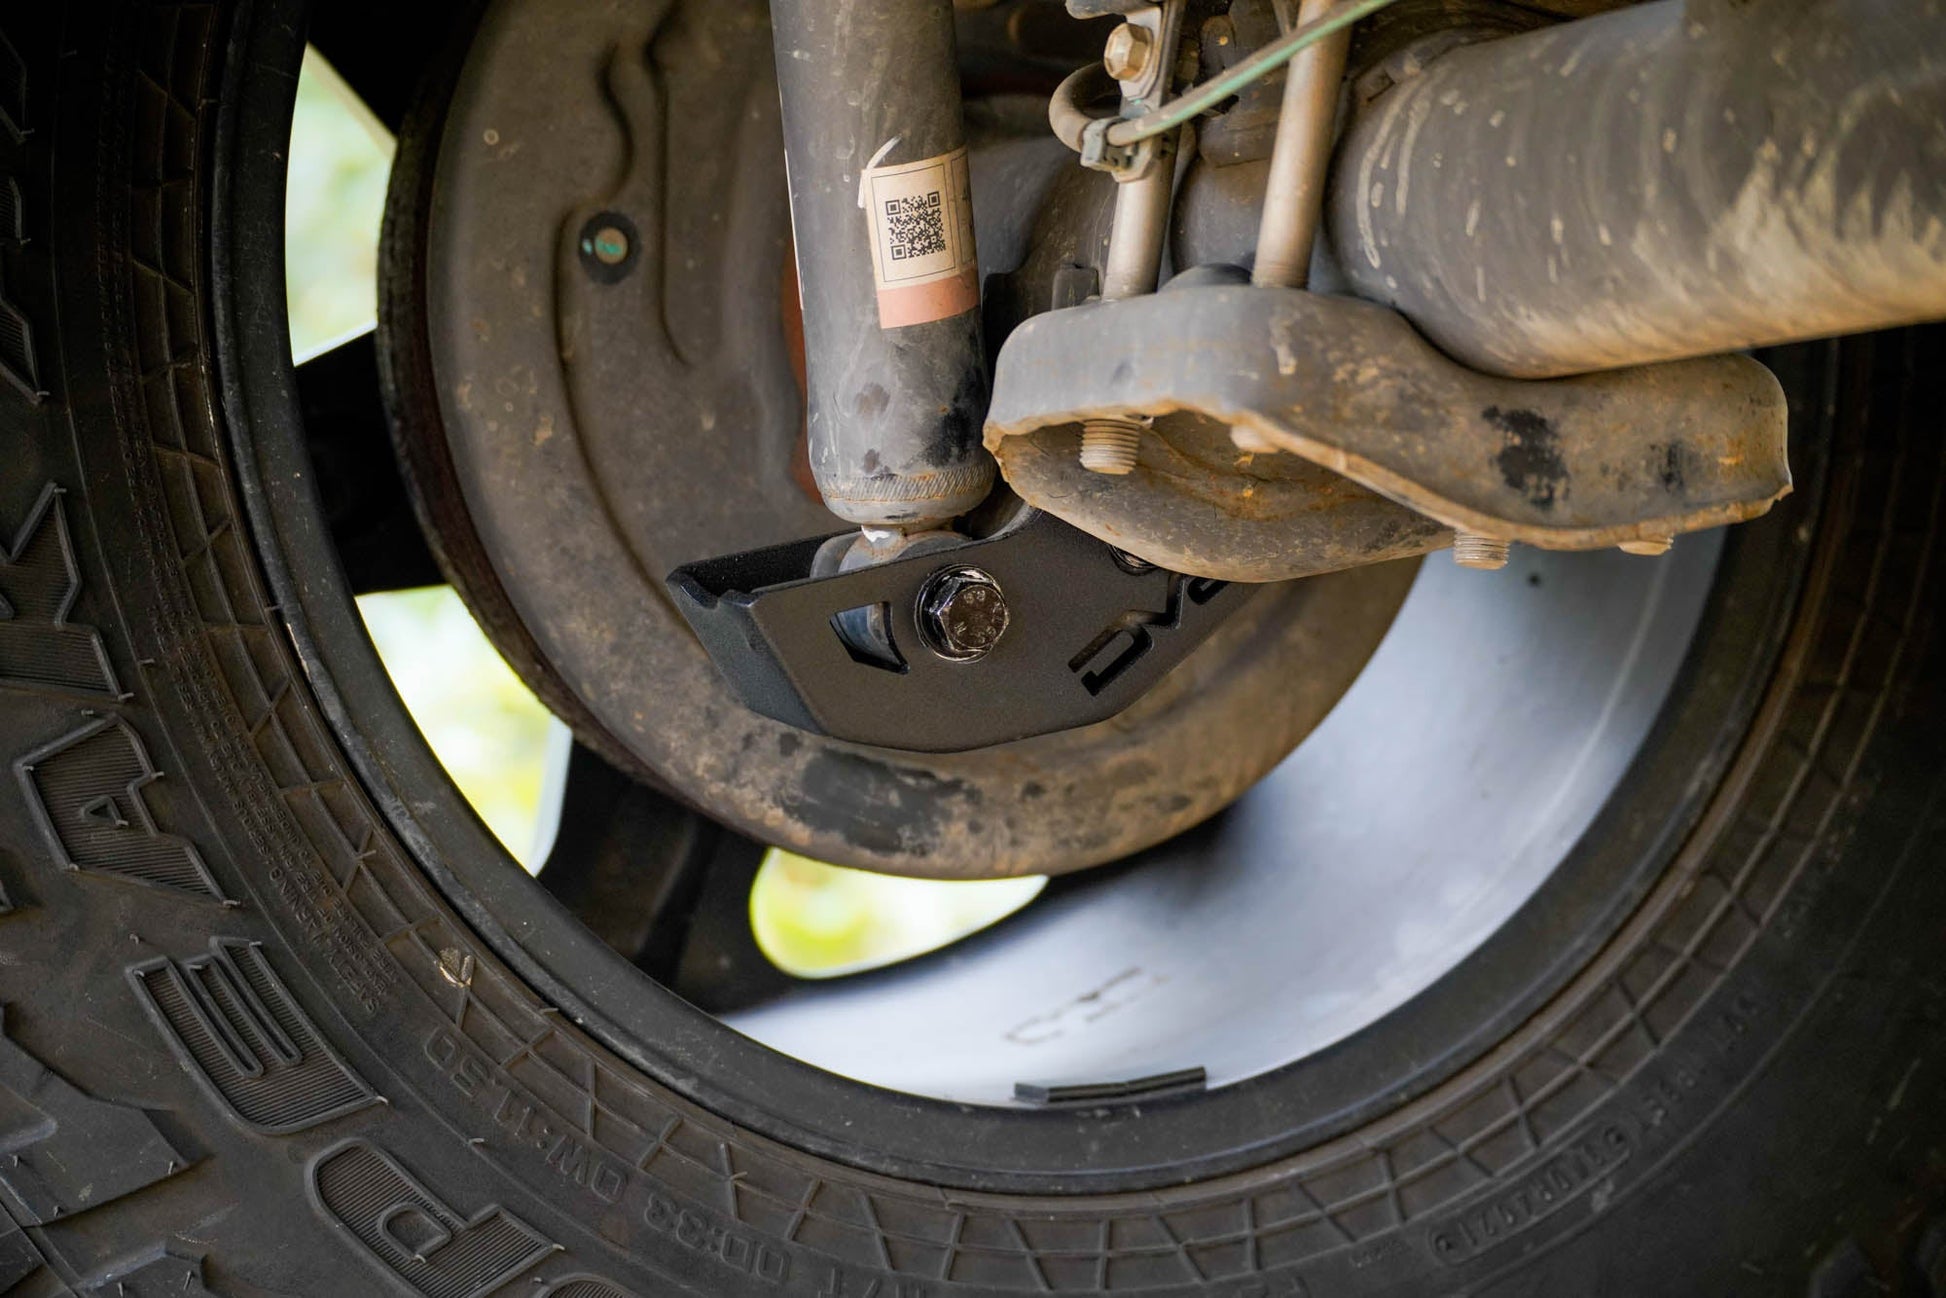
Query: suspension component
{"points": [[1034, 629], [1486, 553], [887, 271], [1781, 177], [1145, 186], [962, 614], [1671, 179], [1406, 442], [1111, 445], [1294, 191]]}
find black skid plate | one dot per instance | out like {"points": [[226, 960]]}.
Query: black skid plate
{"points": [[1088, 637]]}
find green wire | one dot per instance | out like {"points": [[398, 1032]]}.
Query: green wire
{"points": [[1220, 87]]}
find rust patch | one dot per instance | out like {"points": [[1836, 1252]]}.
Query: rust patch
{"points": [[1529, 459]]}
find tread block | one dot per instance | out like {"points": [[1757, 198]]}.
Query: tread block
{"points": [[235, 1026], [161, 1274], [588, 1286], [13, 212], [42, 1284], [17, 363], [62, 1151], [86, 790], [407, 1231], [19, 1256], [39, 581], [13, 91]]}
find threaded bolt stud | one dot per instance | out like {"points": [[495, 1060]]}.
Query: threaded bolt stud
{"points": [[1110, 445], [1487, 553]]}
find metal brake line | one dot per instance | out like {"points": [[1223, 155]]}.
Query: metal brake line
{"points": [[1200, 99]]}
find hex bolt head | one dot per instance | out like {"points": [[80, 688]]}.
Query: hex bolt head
{"points": [[1127, 54], [1486, 553], [962, 613]]}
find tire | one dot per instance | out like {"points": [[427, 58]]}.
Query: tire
{"points": [[251, 1046]]}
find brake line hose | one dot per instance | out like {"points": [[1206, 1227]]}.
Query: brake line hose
{"points": [[1065, 111]]}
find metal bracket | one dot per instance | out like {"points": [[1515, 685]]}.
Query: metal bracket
{"points": [[1140, 94], [1163, 22], [1125, 162], [1578, 463], [1090, 633]]}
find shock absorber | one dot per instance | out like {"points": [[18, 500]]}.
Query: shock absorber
{"points": [[882, 212]]}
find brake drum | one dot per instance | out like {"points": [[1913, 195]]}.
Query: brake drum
{"points": [[587, 323]]}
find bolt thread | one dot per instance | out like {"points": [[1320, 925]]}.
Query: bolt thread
{"points": [[1471, 550], [1110, 445]]}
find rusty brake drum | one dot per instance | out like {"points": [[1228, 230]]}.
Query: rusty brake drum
{"points": [[586, 253]]}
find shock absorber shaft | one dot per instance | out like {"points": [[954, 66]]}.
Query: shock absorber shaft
{"points": [[883, 219], [1294, 195]]}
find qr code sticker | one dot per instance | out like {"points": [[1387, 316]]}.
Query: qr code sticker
{"points": [[915, 226]]}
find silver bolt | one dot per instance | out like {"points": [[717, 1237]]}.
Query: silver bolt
{"points": [[962, 613], [1110, 445], [1649, 545], [1127, 54], [1487, 553]]}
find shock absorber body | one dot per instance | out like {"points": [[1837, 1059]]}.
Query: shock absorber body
{"points": [[883, 220]]}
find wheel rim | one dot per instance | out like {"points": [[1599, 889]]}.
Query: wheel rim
{"points": [[1501, 710]]}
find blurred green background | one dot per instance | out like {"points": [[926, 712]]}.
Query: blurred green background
{"points": [[334, 200], [492, 735]]}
